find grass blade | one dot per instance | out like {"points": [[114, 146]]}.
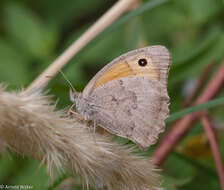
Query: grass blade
{"points": [[145, 7], [207, 105]]}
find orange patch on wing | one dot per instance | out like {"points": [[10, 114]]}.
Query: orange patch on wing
{"points": [[127, 69]]}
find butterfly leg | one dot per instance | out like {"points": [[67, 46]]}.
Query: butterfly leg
{"points": [[70, 112], [94, 130]]}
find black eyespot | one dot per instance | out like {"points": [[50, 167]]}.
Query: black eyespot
{"points": [[142, 62]]}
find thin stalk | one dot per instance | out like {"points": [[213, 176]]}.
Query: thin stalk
{"points": [[182, 126], [209, 129], [107, 19]]}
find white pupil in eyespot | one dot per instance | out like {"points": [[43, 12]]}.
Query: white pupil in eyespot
{"points": [[142, 62]]}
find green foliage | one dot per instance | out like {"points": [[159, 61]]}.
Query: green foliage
{"points": [[192, 109], [34, 33]]}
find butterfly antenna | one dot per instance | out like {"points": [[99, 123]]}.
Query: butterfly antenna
{"points": [[70, 84]]}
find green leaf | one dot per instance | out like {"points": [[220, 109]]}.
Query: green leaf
{"points": [[203, 44], [201, 11], [197, 164], [171, 183], [11, 58], [7, 167], [58, 181], [27, 31], [61, 13], [193, 67], [32, 175], [207, 105], [124, 19]]}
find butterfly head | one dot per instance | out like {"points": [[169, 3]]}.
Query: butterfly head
{"points": [[73, 95], [83, 106]]}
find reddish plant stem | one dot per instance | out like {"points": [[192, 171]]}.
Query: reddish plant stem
{"points": [[181, 127], [178, 130], [207, 124], [199, 84]]}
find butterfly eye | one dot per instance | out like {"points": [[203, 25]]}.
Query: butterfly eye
{"points": [[142, 62]]}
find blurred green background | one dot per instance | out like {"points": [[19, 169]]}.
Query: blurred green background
{"points": [[34, 33]]}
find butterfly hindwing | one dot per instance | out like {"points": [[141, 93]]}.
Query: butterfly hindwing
{"points": [[132, 107]]}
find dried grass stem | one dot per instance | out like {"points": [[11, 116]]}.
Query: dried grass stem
{"points": [[30, 126], [107, 19]]}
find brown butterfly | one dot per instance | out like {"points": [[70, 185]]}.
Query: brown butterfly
{"points": [[128, 97]]}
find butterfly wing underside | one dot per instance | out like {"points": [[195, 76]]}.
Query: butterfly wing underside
{"points": [[129, 100]]}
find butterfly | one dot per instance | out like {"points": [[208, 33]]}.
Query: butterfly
{"points": [[128, 97]]}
